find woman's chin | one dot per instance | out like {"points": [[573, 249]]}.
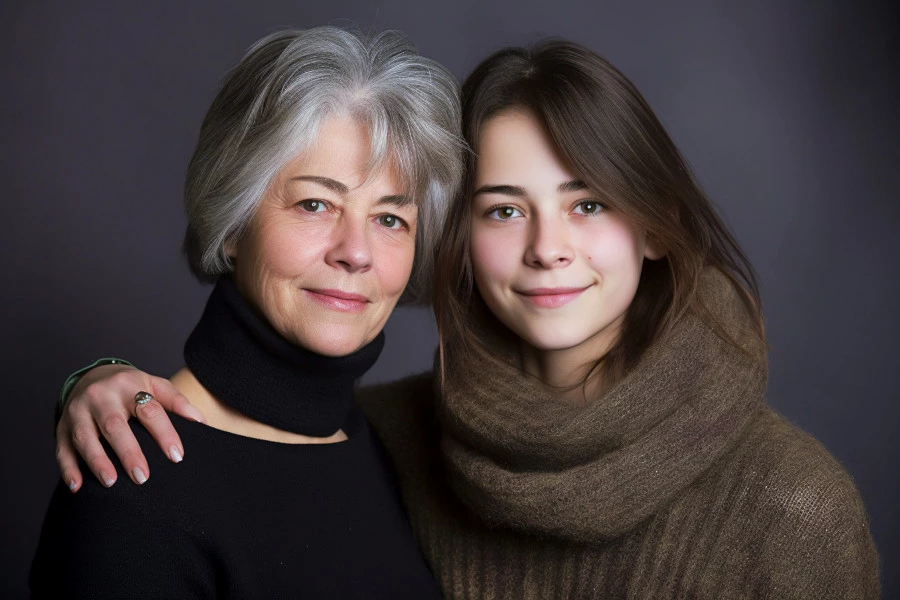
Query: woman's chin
{"points": [[332, 343]]}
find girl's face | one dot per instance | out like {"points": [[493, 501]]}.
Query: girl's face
{"points": [[550, 260]]}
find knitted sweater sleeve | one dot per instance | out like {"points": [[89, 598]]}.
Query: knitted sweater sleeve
{"points": [[818, 543]]}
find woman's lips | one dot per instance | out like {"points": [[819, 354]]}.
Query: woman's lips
{"points": [[551, 297], [338, 299]]}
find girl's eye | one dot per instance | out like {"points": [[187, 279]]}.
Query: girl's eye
{"points": [[312, 206], [588, 207], [504, 213], [391, 221]]}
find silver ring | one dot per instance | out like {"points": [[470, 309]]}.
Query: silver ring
{"points": [[143, 397]]}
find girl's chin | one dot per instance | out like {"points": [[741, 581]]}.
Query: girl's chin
{"points": [[556, 343]]}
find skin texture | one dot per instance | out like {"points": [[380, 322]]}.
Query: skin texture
{"points": [[335, 232], [536, 228], [325, 225]]}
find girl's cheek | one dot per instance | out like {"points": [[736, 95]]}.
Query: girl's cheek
{"points": [[614, 247], [491, 253]]}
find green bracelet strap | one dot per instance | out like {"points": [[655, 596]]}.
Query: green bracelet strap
{"points": [[77, 375]]}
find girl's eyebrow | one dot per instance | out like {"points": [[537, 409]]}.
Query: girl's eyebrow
{"points": [[575, 185], [506, 190], [513, 190]]}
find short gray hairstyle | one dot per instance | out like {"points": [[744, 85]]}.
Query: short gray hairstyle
{"points": [[269, 110]]}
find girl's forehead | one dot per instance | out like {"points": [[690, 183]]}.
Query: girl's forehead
{"points": [[515, 147]]}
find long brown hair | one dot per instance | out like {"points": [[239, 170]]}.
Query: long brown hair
{"points": [[610, 137]]}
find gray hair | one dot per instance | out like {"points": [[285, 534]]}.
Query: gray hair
{"points": [[269, 110]]}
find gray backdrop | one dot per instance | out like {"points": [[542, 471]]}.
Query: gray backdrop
{"points": [[786, 109]]}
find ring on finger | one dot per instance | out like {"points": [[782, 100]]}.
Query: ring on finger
{"points": [[142, 398]]}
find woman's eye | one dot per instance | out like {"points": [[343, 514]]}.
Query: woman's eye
{"points": [[588, 207], [312, 205], [504, 213], [390, 221]]}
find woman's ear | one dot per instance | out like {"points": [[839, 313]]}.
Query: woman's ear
{"points": [[654, 248], [231, 248]]}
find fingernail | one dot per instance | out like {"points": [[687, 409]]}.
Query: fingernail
{"points": [[175, 455], [72, 485], [138, 475], [107, 480]]}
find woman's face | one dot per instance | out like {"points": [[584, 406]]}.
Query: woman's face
{"points": [[328, 253], [552, 263]]}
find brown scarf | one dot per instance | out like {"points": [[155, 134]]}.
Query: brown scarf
{"points": [[520, 457]]}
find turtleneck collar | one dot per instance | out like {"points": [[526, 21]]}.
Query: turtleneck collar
{"points": [[240, 359], [521, 457]]}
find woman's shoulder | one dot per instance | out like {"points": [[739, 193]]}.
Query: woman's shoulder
{"points": [[812, 524]]}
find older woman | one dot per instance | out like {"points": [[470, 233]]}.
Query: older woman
{"points": [[322, 172]]}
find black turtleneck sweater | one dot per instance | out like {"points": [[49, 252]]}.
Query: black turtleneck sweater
{"points": [[242, 517]]}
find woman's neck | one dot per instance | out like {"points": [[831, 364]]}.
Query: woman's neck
{"points": [[220, 416]]}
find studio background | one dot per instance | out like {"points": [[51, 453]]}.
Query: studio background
{"points": [[787, 111]]}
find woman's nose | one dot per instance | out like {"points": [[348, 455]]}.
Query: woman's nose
{"points": [[351, 248]]}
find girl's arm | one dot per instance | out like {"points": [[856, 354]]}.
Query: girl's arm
{"points": [[101, 403]]}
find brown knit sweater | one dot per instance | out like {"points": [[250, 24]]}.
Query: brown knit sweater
{"points": [[676, 483]]}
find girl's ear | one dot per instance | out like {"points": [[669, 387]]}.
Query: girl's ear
{"points": [[654, 249]]}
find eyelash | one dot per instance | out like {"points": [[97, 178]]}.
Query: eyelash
{"points": [[403, 224], [327, 206], [496, 208], [600, 208]]}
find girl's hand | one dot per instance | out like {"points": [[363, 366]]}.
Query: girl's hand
{"points": [[102, 402]]}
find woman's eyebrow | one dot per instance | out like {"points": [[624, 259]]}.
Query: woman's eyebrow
{"points": [[339, 188], [332, 184], [396, 200]]}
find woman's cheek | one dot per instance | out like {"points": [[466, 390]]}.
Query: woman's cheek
{"points": [[394, 264]]}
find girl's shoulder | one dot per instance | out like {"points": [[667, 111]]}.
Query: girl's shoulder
{"points": [[397, 399], [802, 513], [402, 414]]}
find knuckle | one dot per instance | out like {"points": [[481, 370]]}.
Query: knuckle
{"points": [[62, 456], [73, 408], [90, 393], [152, 410], [125, 379], [82, 436], [113, 424]]}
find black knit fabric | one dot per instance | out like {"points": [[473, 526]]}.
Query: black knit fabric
{"points": [[242, 517], [246, 364]]}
